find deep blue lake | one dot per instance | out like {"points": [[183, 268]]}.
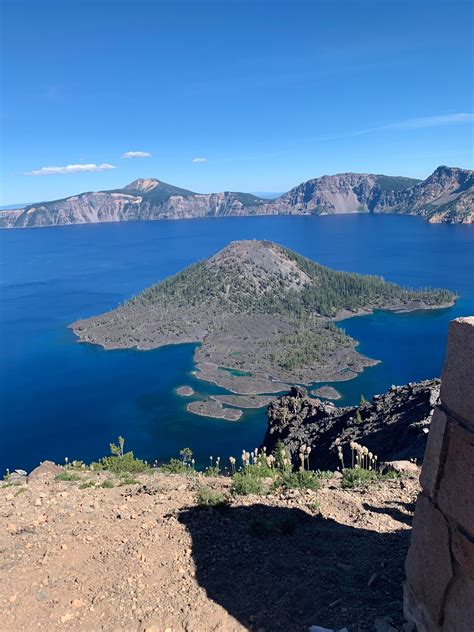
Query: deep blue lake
{"points": [[62, 399]]}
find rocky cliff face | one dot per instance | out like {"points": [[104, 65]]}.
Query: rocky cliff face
{"points": [[393, 425], [342, 193], [143, 199], [446, 196]]}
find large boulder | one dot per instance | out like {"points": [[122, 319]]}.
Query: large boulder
{"points": [[44, 470]]}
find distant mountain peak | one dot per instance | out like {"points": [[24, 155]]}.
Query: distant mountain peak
{"points": [[447, 195], [143, 184]]}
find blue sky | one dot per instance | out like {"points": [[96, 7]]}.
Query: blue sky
{"points": [[266, 93]]}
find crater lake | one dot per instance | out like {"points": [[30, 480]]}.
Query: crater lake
{"points": [[59, 398]]}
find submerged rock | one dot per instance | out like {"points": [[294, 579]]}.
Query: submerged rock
{"points": [[185, 391]]}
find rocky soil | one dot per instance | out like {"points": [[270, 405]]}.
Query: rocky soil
{"points": [[144, 557], [393, 425]]}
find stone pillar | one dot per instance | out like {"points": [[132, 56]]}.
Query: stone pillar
{"points": [[439, 590]]}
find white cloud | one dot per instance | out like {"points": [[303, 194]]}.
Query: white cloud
{"points": [[199, 159], [83, 168], [136, 154]]}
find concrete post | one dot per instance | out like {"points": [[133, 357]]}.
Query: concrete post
{"points": [[439, 590]]}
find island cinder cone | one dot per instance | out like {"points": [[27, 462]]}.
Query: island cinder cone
{"points": [[263, 314]]}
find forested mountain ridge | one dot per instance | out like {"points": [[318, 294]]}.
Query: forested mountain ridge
{"points": [[446, 196]]}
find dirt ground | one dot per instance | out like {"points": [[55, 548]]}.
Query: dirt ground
{"points": [[146, 557]]}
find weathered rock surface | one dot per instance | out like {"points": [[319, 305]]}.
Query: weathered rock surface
{"points": [[143, 199], [439, 591], [393, 425], [445, 196], [45, 469]]}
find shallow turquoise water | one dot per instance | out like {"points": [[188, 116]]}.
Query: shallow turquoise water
{"points": [[59, 398]]}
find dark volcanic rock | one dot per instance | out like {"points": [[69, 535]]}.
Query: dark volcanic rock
{"points": [[394, 425]]}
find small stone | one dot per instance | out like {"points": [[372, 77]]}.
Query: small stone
{"points": [[67, 617], [78, 603], [372, 580], [12, 599], [402, 467], [64, 547], [38, 502]]}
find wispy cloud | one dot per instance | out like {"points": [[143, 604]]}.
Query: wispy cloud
{"points": [[199, 159], [435, 121], [425, 121], [136, 154], [83, 168], [411, 124]]}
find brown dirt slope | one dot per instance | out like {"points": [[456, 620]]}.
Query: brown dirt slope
{"points": [[144, 556]]}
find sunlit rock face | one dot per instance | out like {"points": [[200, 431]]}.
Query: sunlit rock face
{"points": [[439, 591], [446, 196]]}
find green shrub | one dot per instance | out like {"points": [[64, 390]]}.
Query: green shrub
{"points": [[128, 480], [120, 461], [243, 484], [297, 480], [65, 475], [260, 469], [206, 497], [176, 466], [87, 484], [282, 458], [324, 475], [212, 470], [107, 484], [117, 464], [186, 455], [358, 477]]}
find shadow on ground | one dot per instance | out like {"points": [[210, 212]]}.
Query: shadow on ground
{"points": [[282, 569], [393, 512]]}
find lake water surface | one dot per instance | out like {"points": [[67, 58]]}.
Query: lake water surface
{"points": [[62, 399]]}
